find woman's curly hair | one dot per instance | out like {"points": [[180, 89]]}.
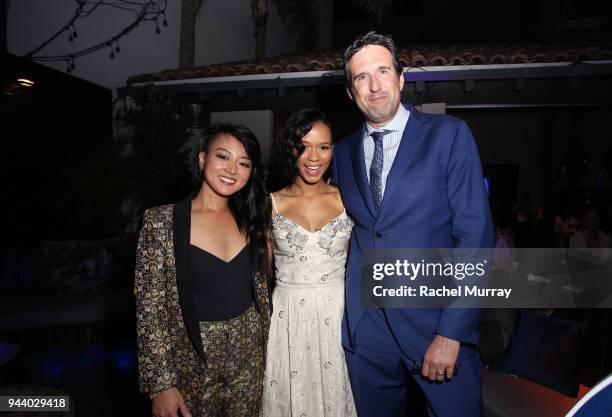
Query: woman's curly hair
{"points": [[288, 146]]}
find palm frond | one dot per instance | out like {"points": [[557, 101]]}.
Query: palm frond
{"points": [[199, 5], [300, 19], [375, 9]]}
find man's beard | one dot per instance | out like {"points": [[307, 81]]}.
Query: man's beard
{"points": [[383, 114]]}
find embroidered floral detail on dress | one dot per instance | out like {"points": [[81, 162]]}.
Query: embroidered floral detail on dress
{"points": [[296, 238], [329, 232]]}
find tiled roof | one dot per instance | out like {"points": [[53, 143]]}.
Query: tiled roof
{"points": [[409, 57]]}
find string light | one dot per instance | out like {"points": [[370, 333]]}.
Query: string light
{"points": [[143, 10], [73, 33], [70, 65]]}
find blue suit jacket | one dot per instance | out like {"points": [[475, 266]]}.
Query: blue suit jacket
{"points": [[434, 198]]}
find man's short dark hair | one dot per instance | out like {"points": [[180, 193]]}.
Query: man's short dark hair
{"points": [[370, 38]]}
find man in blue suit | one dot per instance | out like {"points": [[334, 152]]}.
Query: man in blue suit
{"points": [[409, 180]]}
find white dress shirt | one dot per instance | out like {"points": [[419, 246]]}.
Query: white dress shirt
{"points": [[391, 142]]}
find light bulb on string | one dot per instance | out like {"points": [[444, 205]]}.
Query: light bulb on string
{"points": [[150, 10], [73, 33]]}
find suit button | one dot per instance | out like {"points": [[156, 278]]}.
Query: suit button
{"points": [[377, 235]]}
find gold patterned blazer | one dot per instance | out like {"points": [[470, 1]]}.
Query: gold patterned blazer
{"points": [[169, 341]]}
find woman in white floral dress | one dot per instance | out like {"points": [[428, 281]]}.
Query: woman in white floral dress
{"points": [[306, 374]]}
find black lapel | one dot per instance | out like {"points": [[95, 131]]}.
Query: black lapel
{"points": [[181, 220]]}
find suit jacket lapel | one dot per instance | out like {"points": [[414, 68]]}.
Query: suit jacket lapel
{"points": [[360, 170], [181, 220], [412, 139]]}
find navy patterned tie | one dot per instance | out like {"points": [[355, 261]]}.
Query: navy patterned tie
{"points": [[376, 169]]}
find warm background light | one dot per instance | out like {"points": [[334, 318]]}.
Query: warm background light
{"points": [[24, 82]]}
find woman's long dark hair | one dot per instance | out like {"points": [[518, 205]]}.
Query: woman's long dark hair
{"points": [[250, 206], [288, 145]]}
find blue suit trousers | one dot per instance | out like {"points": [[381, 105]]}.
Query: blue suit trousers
{"points": [[383, 385]]}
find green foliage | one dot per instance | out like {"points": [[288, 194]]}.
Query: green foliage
{"points": [[155, 155], [300, 19], [375, 9], [82, 196]]}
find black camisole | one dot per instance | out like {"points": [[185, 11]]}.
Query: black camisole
{"points": [[221, 290]]}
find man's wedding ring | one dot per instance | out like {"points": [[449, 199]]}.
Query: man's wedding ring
{"points": [[441, 373]]}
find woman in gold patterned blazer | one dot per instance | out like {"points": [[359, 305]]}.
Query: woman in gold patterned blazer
{"points": [[202, 300]]}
